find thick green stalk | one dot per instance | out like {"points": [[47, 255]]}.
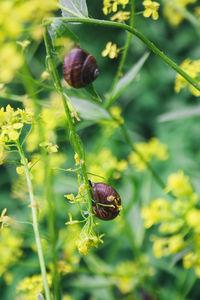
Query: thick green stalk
{"points": [[35, 222], [124, 55], [76, 142], [146, 41]]}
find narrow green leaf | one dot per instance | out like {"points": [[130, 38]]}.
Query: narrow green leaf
{"points": [[89, 110], [126, 80], [180, 114], [93, 93], [58, 31], [74, 8]]}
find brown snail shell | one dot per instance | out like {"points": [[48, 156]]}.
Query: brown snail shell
{"points": [[80, 68], [106, 201]]}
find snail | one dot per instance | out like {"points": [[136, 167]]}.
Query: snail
{"points": [[106, 201], [79, 68]]}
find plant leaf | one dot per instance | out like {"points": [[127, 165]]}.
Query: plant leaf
{"points": [[93, 93], [89, 110], [180, 114], [74, 8], [58, 30], [126, 80]]}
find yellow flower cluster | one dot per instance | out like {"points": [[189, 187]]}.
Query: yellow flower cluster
{"points": [[149, 150], [178, 221], [192, 68], [15, 15], [110, 50], [106, 165], [128, 274], [10, 249], [151, 9], [30, 287], [11, 124], [173, 10], [112, 5], [88, 238]]}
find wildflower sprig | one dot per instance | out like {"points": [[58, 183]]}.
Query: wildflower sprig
{"points": [[74, 139], [178, 221]]}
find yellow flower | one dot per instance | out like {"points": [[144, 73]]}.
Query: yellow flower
{"points": [[10, 248], [110, 50], [175, 243], [148, 150], [10, 61], [157, 211], [120, 16], [159, 247], [192, 218], [179, 184], [112, 5], [29, 287], [151, 8], [192, 68], [173, 10]]}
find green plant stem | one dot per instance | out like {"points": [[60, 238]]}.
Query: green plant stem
{"points": [[124, 55], [146, 41], [35, 222], [76, 141], [51, 221]]}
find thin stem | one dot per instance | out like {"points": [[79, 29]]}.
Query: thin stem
{"points": [[146, 41], [75, 139], [35, 222], [48, 193], [124, 55]]}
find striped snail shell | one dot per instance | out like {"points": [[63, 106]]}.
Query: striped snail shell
{"points": [[106, 201], [79, 68]]}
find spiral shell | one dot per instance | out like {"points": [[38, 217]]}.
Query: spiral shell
{"points": [[80, 68], [106, 201]]}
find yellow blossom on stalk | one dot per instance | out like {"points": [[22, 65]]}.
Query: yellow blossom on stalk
{"points": [[10, 61], [12, 122], [110, 50], [151, 9], [192, 68], [10, 249], [88, 238], [129, 273], [174, 10], [192, 218], [179, 184], [159, 247], [29, 287], [148, 150], [157, 211], [112, 5], [120, 16]]}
